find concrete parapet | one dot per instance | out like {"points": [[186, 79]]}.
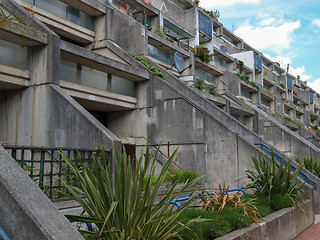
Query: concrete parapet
{"points": [[26, 212], [284, 224]]}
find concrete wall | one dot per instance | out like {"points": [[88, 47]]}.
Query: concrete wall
{"points": [[202, 131], [26, 213], [128, 34]]}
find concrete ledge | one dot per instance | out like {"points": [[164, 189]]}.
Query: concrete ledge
{"points": [[94, 60], [21, 34], [284, 224], [26, 212]]}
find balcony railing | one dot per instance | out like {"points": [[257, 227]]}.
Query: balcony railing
{"points": [[47, 168], [205, 25]]}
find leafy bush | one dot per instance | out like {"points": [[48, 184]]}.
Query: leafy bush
{"points": [[154, 69], [295, 122], [252, 83], [273, 178], [201, 53], [123, 205], [282, 85], [180, 176]]}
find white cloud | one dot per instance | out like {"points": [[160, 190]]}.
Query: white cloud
{"points": [[268, 34], [316, 22], [315, 85], [285, 60], [208, 4]]}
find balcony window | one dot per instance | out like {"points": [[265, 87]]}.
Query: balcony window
{"points": [[179, 4], [220, 61], [245, 93], [176, 34], [123, 86], [160, 55], [14, 55], [72, 72], [205, 75], [63, 10], [265, 102], [205, 25], [68, 71]]}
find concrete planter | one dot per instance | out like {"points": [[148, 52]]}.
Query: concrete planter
{"points": [[284, 224]]}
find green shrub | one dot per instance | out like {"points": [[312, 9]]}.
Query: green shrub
{"points": [[200, 52], [254, 84], [180, 176], [123, 205], [280, 201], [154, 69], [274, 178], [212, 90], [236, 218], [205, 230], [282, 85]]}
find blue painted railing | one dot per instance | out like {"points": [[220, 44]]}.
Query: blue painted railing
{"points": [[176, 201], [311, 97], [205, 25], [3, 234], [257, 62], [279, 158]]}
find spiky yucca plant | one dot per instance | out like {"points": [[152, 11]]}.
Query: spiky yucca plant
{"points": [[311, 164], [127, 205], [274, 178]]}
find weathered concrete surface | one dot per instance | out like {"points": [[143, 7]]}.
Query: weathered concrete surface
{"points": [[26, 212], [284, 224], [46, 116]]}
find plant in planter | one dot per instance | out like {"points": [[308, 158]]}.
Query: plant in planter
{"points": [[221, 199], [274, 178], [125, 204], [199, 84], [18, 18], [311, 164], [282, 85], [203, 54], [212, 90]]}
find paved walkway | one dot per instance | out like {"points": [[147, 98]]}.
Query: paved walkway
{"points": [[311, 233]]}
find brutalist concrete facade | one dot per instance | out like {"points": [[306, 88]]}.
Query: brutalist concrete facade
{"points": [[81, 88]]}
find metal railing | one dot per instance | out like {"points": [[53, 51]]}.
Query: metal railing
{"points": [[47, 168], [3, 234], [176, 201], [279, 159]]}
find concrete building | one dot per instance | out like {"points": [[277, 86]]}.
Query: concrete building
{"points": [[67, 80]]}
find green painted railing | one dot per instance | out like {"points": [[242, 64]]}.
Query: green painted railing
{"points": [[47, 168]]}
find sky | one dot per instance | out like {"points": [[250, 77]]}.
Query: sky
{"points": [[285, 31]]}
